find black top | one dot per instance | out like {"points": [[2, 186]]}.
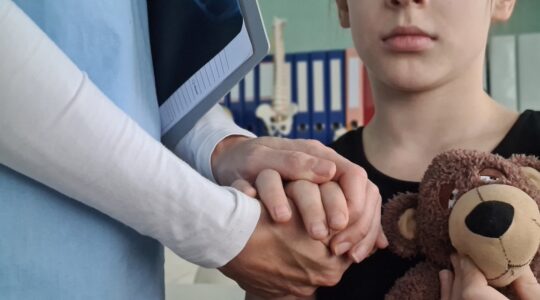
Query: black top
{"points": [[373, 278]]}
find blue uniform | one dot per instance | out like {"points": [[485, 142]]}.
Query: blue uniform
{"points": [[53, 247]]}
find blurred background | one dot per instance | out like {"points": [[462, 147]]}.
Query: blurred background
{"points": [[320, 76]]}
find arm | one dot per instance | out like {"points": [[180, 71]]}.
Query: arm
{"points": [[59, 129]]}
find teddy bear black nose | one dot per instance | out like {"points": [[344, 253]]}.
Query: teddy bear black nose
{"points": [[490, 218]]}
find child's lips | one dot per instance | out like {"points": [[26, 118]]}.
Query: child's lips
{"points": [[409, 43], [408, 39]]}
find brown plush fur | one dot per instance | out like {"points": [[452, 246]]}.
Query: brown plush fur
{"points": [[458, 171], [416, 284]]}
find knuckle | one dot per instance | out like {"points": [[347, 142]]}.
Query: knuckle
{"points": [[362, 173], [313, 279], [332, 279], [469, 294], [314, 144], [358, 173], [372, 195], [329, 279], [355, 210], [266, 174], [373, 191], [303, 291], [335, 279], [295, 161], [362, 231], [251, 156]]}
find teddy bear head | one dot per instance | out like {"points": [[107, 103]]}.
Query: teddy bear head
{"points": [[474, 203]]}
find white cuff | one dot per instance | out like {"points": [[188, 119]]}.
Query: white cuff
{"points": [[197, 146]]}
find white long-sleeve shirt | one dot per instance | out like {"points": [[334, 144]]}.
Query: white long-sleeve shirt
{"points": [[58, 128]]}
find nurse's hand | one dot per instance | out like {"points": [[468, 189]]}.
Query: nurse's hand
{"points": [[353, 203], [468, 282], [280, 259]]}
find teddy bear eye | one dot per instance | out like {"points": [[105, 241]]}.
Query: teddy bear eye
{"points": [[490, 175], [488, 179], [447, 196], [453, 199]]}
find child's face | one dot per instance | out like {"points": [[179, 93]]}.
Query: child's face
{"points": [[417, 45]]}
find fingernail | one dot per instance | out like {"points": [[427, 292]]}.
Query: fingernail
{"points": [[342, 248], [386, 242], [338, 220], [443, 275], [323, 168], [360, 253], [282, 213], [318, 229]]}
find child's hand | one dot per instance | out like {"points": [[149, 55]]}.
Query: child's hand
{"points": [[316, 203], [527, 286], [469, 283], [320, 205]]}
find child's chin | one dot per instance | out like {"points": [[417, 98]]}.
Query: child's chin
{"points": [[412, 85]]}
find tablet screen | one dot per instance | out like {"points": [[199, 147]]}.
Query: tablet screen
{"points": [[196, 44]]}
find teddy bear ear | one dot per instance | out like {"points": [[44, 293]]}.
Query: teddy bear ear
{"points": [[399, 224], [530, 166]]}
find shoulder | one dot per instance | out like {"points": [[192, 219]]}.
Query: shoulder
{"points": [[530, 120], [532, 117], [535, 130], [526, 132]]}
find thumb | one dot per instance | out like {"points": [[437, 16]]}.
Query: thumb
{"points": [[471, 274], [527, 286]]}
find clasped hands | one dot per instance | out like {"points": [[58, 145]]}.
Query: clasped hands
{"points": [[325, 195]]}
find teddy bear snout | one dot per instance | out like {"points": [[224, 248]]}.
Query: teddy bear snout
{"points": [[496, 226], [490, 218]]}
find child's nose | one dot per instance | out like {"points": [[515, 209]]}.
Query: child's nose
{"points": [[397, 3]]}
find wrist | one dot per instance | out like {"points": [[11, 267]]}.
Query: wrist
{"points": [[223, 147]]}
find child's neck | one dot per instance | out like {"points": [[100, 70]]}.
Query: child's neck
{"points": [[410, 128]]}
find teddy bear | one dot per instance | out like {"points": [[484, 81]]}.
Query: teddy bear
{"points": [[474, 203]]}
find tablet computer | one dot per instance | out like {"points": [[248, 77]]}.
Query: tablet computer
{"points": [[200, 50]]}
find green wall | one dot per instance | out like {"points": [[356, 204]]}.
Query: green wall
{"points": [[313, 25], [526, 19]]}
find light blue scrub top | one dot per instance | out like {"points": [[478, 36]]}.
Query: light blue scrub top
{"points": [[51, 246]]}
